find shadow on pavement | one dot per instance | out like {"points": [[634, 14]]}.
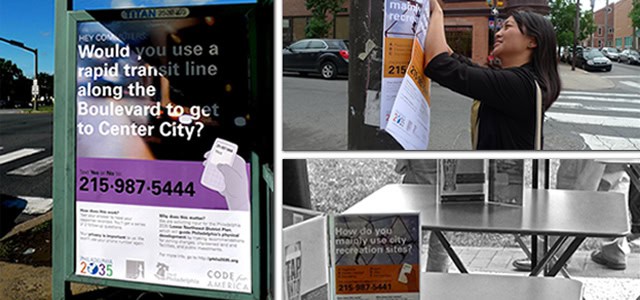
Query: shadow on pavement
{"points": [[10, 208]]}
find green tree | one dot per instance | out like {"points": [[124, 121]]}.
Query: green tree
{"points": [[45, 81], [587, 25], [318, 26], [10, 79], [563, 15], [634, 15]]}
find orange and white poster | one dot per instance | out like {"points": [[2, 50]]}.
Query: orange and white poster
{"points": [[377, 257], [410, 114], [400, 19]]}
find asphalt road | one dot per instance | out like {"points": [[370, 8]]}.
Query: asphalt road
{"points": [[18, 134], [600, 119], [626, 77], [315, 114]]}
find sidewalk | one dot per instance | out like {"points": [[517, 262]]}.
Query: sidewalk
{"points": [[500, 259], [581, 79], [599, 282]]}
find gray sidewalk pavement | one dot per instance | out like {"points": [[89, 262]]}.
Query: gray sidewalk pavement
{"points": [[486, 259], [582, 80], [599, 283]]}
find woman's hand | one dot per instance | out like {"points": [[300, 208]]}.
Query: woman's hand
{"points": [[436, 41], [434, 5]]}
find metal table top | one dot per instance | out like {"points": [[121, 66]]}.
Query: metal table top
{"points": [[544, 212]]}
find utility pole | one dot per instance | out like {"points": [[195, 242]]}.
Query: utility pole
{"points": [[606, 24], [576, 36], [593, 2], [35, 89]]}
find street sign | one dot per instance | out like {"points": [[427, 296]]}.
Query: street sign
{"points": [[35, 90]]}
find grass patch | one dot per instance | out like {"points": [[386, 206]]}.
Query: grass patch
{"points": [[41, 110]]}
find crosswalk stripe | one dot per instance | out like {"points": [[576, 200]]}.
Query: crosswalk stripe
{"points": [[631, 84], [621, 76], [574, 105], [605, 142], [601, 99], [34, 168], [631, 95], [594, 120], [11, 156]]}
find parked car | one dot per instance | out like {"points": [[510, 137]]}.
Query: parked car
{"points": [[593, 59], [329, 57], [629, 56], [568, 54], [611, 53]]}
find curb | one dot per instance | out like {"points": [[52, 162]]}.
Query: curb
{"points": [[28, 225]]}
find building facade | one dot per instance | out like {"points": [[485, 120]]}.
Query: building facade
{"points": [[467, 23], [602, 27], [625, 36], [295, 17]]}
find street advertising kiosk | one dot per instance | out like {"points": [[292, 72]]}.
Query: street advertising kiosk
{"points": [[164, 147]]}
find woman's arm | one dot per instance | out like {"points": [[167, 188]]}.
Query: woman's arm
{"points": [[510, 90], [436, 41]]}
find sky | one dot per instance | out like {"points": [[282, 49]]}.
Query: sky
{"points": [[32, 21]]}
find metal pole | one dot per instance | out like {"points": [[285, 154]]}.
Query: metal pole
{"points": [[606, 24], [593, 2], [334, 24], [576, 36], [35, 77]]}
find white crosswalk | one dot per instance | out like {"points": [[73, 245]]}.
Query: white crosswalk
{"points": [[28, 169], [631, 84], [604, 120], [34, 168]]}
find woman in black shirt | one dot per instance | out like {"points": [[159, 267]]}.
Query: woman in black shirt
{"points": [[526, 47]]}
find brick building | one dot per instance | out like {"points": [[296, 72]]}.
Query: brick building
{"points": [[466, 23], [599, 38], [295, 17], [625, 36]]}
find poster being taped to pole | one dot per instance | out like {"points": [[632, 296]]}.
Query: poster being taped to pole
{"points": [[411, 112], [400, 19]]}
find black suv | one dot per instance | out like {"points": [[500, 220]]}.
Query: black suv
{"points": [[329, 57]]}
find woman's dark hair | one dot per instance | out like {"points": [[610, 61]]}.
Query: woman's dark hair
{"points": [[543, 58]]}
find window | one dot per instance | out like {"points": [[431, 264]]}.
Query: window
{"points": [[599, 43], [610, 30], [299, 45], [627, 42], [618, 43], [599, 30], [317, 45]]}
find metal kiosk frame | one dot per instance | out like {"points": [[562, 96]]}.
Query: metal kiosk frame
{"points": [[260, 48]]}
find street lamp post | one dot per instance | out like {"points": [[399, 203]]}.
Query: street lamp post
{"points": [[593, 2], [576, 36], [35, 75]]}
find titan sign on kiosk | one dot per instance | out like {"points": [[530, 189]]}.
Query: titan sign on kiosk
{"points": [[163, 147]]}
